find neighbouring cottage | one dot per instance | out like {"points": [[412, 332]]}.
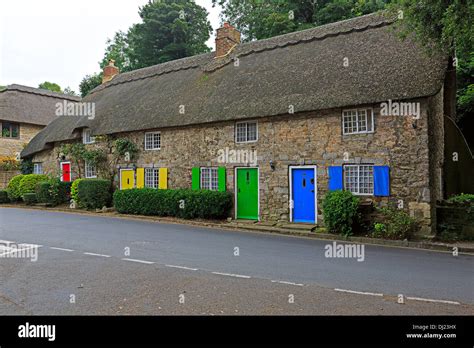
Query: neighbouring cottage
{"points": [[24, 112], [278, 122]]}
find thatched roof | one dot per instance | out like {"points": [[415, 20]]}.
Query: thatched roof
{"points": [[304, 69], [30, 105]]}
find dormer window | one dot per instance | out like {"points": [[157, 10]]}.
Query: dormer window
{"points": [[87, 138]]}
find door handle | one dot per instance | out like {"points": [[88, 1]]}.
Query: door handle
{"points": [[128, 181]]}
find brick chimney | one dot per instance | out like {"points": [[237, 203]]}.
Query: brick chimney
{"points": [[110, 71], [226, 39]]}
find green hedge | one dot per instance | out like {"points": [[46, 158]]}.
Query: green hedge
{"points": [[29, 198], [94, 193], [187, 204], [340, 211], [13, 188], [4, 196], [74, 190], [53, 191], [28, 182]]}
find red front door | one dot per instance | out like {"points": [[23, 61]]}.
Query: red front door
{"points": [[66, 170]]}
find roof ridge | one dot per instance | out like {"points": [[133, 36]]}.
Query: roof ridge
{"points": [[39, 91], [241, 52]]}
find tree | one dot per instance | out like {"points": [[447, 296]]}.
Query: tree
{"points": [[118, 50], [170, 30], [69, 91], [51, 86], [89, 82]]}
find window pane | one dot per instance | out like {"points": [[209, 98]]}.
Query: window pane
{"points": [[151, 177], [6, 130], [252, 131], [362, 120], [15, 130], [241, 129]]}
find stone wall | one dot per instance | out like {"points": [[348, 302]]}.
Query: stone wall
{"points": [[313, 138], [6, 176], [11, 146]]}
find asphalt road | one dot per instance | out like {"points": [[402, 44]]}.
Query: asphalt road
{"points": [[205, 253]]}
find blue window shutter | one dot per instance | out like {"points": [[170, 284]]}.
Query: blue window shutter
{"points": [[381, 181], [335, 178]]}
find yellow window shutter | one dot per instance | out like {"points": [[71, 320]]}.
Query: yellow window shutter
{"points": [[140, 177], [163, 177]]}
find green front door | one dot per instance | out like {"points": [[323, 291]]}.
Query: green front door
{"points": [[247, 193]]}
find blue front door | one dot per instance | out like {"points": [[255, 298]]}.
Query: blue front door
{"points": [[303, 195]]}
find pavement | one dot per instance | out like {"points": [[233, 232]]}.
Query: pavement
{"points": [[103, 265]]}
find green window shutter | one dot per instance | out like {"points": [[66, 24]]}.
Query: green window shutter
{"points": [[196, 176], [222, 179]]}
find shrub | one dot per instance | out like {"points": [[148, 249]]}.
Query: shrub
{"points": [[463, 198], [340, 211], [29, 198], [187, 204], [4, 196], [93, 193], [29, 181], [13, 188], [53, 191], [74, 190], [397, 224]]}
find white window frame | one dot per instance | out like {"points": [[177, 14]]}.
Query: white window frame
{"points": [[246, 132], [38, 165], [152, 141], [87, 169], [87, 138], [367, 110], [358, 193], [155, 172], [210, 177]]}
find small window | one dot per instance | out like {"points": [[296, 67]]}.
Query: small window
{"points": [[358, 121], [359, 179], [246, 132], [10, 130], [209, 179], [90, 169], [153, 141], [87, 137], [37, 168], [152, 177]]}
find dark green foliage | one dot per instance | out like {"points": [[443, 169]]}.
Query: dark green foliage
{"points": [[51, 86], [187, 204], [53, 192], [125, 146], [340, 211], [29, 198], [395, 224], [26, 166], [13, 188], [4, 196], [462, 199], [89, 82], [94, 193], [28, 183]]}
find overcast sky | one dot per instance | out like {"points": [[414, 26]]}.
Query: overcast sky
{"points": [[63, 40]]}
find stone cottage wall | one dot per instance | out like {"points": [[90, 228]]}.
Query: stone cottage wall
{"points": [[313, 138], [9, 147]]}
